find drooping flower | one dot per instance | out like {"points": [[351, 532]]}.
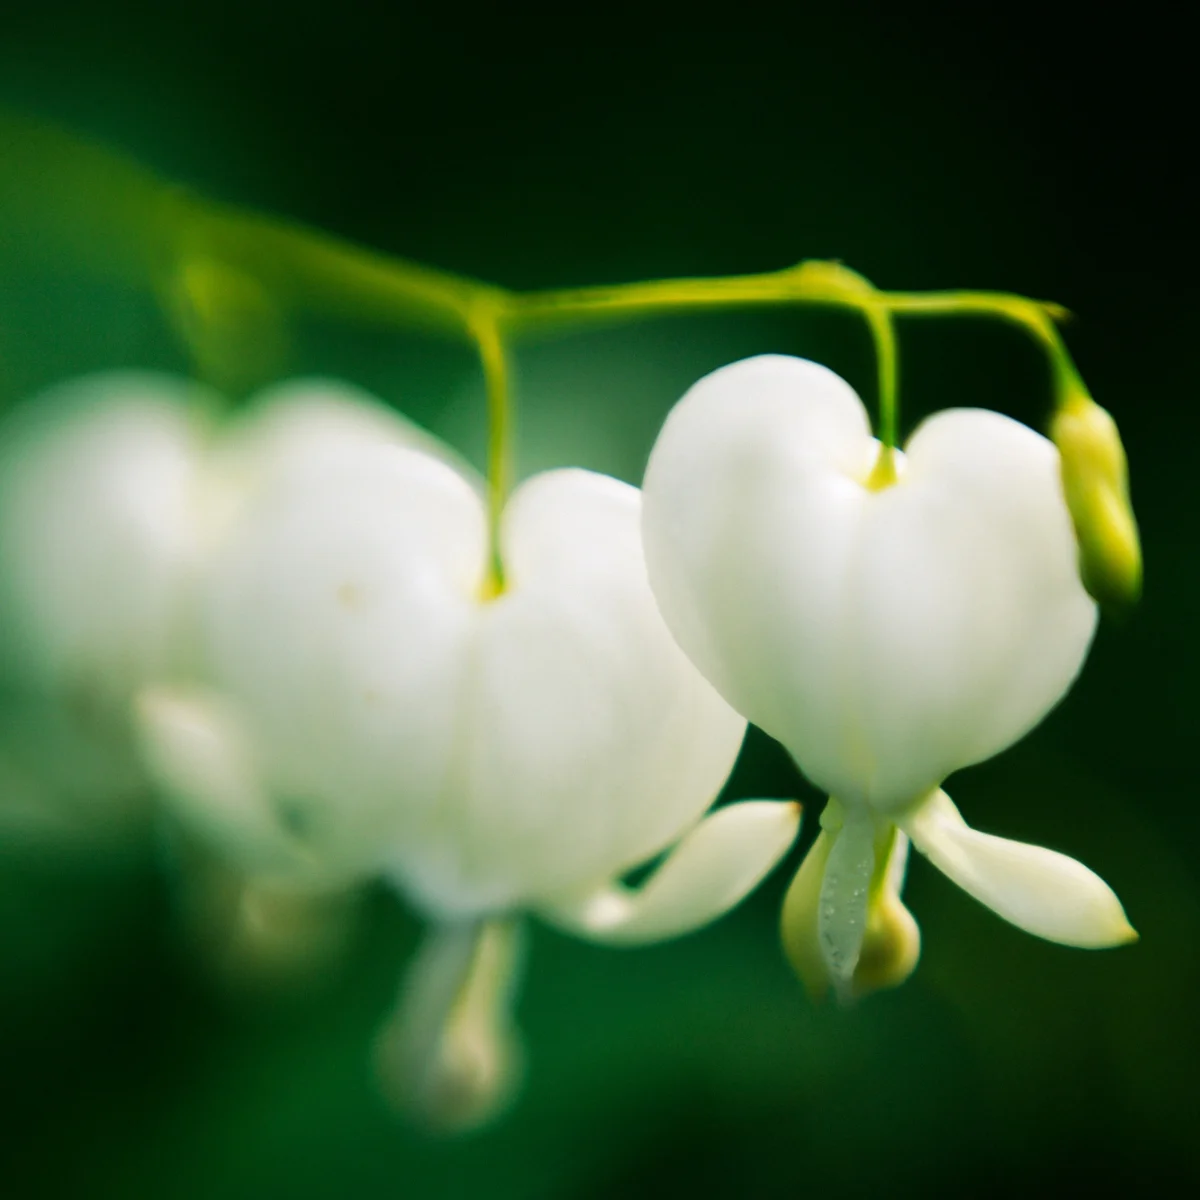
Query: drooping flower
{"points": [[363, 705], [111, 485], [889, 617], [96, 538]]}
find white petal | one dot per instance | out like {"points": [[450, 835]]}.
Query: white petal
{"points": [[488, 752], [195, 749], [304, 428], [973, 621], [1038, 890], [711, 870], [748, 531], [335, 619], [590, 742], [95, 532], [885, 637]]}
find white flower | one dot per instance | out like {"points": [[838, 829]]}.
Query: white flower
{"points": [[111, 487], [362, 704], [96, 479], [887, 635], [364, 708]]}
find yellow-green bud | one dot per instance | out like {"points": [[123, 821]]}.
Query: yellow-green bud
{"points": [[798, 924], [1095, 480], [891, 946]]}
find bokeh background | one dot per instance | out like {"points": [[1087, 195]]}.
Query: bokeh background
{"points": [[973, 146]]}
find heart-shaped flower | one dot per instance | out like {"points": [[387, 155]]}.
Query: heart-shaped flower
{"points": [[111, 486], [888, 617], [363, 703], [364, 706], [96, 538]]}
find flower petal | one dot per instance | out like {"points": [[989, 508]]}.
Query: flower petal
{"points": [[195, 749], [886, 636], [704, 876], [751, 505], [972, 621], [95, 487], [589, 742], [334, 618], [1038, 890]]}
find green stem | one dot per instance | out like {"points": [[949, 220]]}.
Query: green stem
{"points": [[494, 360], [886, 355], [111, 212], [1036, 317], [810, 282]]}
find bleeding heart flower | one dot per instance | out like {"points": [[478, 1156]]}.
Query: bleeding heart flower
{"points": [[364, 707], [111, 486], [96, 537], [364, 704], [889, 617]]}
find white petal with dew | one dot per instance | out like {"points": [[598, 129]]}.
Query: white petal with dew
{"points": [[842, 906], [1038, 890], [704, 876]]}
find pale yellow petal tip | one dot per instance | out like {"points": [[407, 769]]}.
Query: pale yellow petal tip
{"points": [[1126, 935]]}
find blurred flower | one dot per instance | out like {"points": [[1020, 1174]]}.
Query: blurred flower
{"points": [[888, 627], [361, 704], [96, 484], [112, 489]]}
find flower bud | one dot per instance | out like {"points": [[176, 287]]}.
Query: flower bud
{"points": [[891, 946], [449, 1056], [1095, 481], [798, 925]]}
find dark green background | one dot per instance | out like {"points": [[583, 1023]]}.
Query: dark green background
{"points": [[1011, 149]]}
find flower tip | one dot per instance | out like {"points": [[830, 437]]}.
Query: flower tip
{"points": [[1126, 935]]}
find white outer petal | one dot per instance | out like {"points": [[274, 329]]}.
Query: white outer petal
{"points": [[334, 619], [712, 869], [886, 638], [972, 621], [1038, 890], [95, 531], [489, 752], [300, 428], [589, 741]]}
